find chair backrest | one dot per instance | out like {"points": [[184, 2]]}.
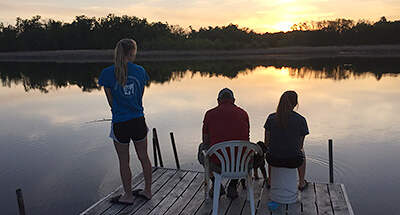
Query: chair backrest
{"points": [[237, 164]]}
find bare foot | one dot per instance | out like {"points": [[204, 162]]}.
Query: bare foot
{"points": [[147, 194], [303, 185]]}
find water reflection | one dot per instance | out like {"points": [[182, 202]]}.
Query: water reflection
{"points": [[50, 76], [64, 164]]}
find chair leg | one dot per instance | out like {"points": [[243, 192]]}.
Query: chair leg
{"points": [[250, 192], [217, 189], [206, 187], [206, 179]]}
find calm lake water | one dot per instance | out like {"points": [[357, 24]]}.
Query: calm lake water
{"points": [[64, 162]]}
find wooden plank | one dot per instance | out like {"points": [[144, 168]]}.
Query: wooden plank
{"points": [[281, 210], [323, 199], [261, 188], [224, 202], [175, 194], [347, 200], [115, 208], [165, 191], [338, 200], [186, 170], [138, 202], [206, 207], [180, 192], [308, 201], [195, 202], [258, 186], [262, 208], [294, 209], [155, 187], [238, 203], [187, 195], [105, 203]]}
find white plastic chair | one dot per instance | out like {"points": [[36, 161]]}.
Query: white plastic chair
{"points": [[235, 166]]}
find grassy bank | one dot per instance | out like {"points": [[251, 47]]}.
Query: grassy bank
{"points": [[287, 53]]}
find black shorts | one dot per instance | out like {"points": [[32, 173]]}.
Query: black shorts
{"points": [[294, 162], [134, 129]]}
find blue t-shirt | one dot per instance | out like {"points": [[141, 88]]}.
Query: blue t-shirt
{"points": [[285, 142], [126, 100]]}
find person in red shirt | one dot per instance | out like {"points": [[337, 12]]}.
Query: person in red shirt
{"points": [[224, 123]]}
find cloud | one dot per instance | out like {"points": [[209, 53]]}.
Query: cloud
{"points": [[9, 11]]}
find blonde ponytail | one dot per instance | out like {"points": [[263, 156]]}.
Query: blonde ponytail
{"points": [[286, 104], [123, 50]]}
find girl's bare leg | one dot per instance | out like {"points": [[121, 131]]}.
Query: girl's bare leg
{"points": [[141, 151], [125, 171], [302, 172]]}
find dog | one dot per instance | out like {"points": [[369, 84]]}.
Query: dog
{"points": [[258, 163]]}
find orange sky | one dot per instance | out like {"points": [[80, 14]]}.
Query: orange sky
{"points": [[260, 15]]}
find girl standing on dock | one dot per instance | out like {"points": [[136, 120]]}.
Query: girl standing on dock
{"points": [[124, 84]]}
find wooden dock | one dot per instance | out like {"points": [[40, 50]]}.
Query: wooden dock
{"points": [[181, 192]]}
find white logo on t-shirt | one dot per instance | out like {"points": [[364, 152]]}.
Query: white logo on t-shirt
{"points": [[129, 89]]}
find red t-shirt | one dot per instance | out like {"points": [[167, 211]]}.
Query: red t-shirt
{"points": [[226, 122]]}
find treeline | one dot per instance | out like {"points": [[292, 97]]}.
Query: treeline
{"points": [[102, 33], [51, 76]]}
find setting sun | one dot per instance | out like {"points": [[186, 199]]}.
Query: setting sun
{"points": [[283, 26]]}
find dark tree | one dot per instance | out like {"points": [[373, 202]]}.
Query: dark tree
{"points": [[103, 33]]}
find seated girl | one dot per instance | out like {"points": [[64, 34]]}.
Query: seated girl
{"points": [[285, 131]]}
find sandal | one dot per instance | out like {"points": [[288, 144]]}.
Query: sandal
{"points": [[116, 200], [140, 193]]}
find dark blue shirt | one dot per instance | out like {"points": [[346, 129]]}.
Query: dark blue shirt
{"points": [[285, 143], [126, 100]]}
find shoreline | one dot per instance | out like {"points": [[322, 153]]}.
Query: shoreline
{"points": [[285, 53]]}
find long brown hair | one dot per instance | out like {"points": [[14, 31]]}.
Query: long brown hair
{"points": [[286, 104], [122, 50]]}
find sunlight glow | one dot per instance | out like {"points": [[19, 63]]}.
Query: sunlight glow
{"points": [[283, 26], [285, 1], [259, 15], [281, 74]]}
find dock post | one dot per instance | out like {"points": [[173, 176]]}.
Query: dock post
{"points": [[174, 148], [20, 200], [158, 147], [330, 146], [155, 149]]}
